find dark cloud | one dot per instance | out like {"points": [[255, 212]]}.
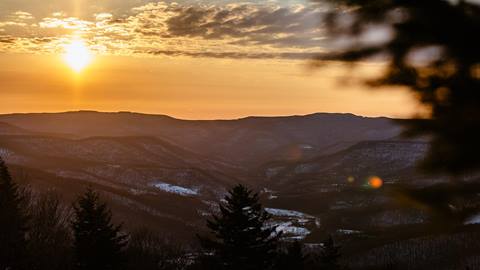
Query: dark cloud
{"points": [[7, 39], [278, 26]]}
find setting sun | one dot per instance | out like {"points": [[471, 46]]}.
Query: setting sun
{"points": [[77, 55]]}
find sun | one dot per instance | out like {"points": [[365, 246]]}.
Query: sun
{"points": [[77, 55]]}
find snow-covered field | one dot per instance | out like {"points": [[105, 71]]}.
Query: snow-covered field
{"points": [[286, 213], [183, 191], [289, 228], [292, 223], [473, 220]]}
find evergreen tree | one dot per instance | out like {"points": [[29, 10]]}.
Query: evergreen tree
{"points": [[98, 243], [243, 239], [13, 220], [435, 58], [330, 254]]}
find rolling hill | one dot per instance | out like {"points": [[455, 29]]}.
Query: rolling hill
{"points": [[167, 173]]}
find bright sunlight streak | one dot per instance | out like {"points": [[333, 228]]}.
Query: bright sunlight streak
{"points": [[77, 55]]}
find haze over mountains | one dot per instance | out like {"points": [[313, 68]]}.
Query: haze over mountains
{"points": [[167, 173], [246, 141]]}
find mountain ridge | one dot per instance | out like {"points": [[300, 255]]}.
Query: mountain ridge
{"points": [[181, 119], [248, 141]]}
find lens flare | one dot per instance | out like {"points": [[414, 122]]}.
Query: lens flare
{"points": [[375, 182], [77, 55]]}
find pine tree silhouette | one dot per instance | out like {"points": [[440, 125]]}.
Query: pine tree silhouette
{"points": [[98, 243], [13, 222], [243, 239]]}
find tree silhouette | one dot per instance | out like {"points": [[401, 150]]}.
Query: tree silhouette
{"points": [[430, 47], [13, 221], [98, 243], [49, 234], [242, 237]]}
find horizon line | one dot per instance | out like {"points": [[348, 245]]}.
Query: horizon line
{"points": [[197, 119]]}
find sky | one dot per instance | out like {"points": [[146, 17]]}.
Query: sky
{"points": [[216, 59]]}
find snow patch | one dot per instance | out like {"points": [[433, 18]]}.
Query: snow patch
{"points": [[183, 191], [289, 228], [5, 153], [473, 220], [271, 193], [293, 223], [343, 231], [286, 213], [306, 146]]}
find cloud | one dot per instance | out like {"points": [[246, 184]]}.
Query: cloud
{"points": [[21, 16], [238, 55], [6, 39], [242, 30], [295, 25]]}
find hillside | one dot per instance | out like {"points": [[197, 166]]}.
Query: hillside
{"points": [[168, 173], [245, 142]]}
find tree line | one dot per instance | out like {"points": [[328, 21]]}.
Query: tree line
{"points": [[37, 231]]}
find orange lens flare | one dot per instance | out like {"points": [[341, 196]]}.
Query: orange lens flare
{"points": [[375, 182]]}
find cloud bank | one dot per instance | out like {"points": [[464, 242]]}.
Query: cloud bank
{"points": [[244, 30]]}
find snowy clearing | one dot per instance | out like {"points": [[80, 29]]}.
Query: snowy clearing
{"points": [[183, 191], [286, 213], [289, 228]]}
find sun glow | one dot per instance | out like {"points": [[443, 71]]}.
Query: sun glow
{"points": [[77, 55]]}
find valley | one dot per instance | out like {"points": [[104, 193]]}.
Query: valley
{"points": [[167, 174]]}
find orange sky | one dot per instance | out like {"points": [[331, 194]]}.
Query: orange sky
{"points": [[189, 88], [194, 61]]}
